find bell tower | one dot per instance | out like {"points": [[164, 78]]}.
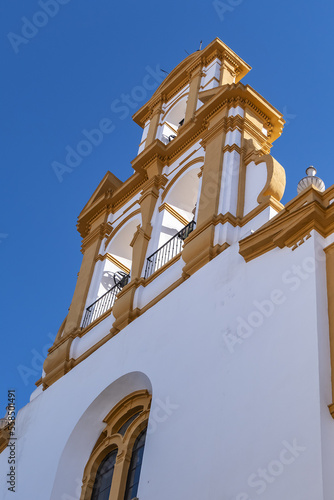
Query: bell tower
{"points": [[204, 160], [202, 319]]}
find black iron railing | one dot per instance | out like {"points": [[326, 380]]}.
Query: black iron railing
{"points": [[103, 303], [165, 253]]}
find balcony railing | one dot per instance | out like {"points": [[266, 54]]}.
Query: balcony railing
{"points": [[169, 250], [105, 302]]}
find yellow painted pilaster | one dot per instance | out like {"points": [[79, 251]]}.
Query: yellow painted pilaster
{"points": [[91, 246], [198, 247], [153, 126], [58, 360], [227, 74], [195, 82], [123, 307]]}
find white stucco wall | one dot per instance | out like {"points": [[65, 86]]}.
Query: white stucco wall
{"points": [[256, 178], [144, 136], [238, 364], [211, 75]]}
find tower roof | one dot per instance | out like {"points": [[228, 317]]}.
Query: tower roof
{"points": [[179, 76]]}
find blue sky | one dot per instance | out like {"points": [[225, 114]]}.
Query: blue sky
{"points": [[63, 77]]}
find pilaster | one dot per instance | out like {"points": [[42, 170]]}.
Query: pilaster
{"points": [[90, 247], [198, 247], [227, 73], [195, 82], [123, 307], [58, 360], [154, 122]]}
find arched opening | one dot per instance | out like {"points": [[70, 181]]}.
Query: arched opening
{"points": [[85, 440], [177, 218], [112, 272], [119, 255], [173, 120], [179, 204]]}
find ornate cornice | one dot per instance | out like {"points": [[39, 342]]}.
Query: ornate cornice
{"points": [[100, 232], [305, 213], [179, 77]]}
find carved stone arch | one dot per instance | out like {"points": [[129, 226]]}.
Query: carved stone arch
{"points": [[179, 174], [120, 225], [173, 118], [178, 204], [117, 257], [181, 67], [175, 103]]}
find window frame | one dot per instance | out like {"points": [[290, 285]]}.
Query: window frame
{"points": [[99, 478], [110, 439]]}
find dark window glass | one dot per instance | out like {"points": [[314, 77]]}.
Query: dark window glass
{"points": [[103, 478], [127, 423], [135, 466]]}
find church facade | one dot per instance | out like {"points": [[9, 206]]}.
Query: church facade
{"points": [[195, 361]]}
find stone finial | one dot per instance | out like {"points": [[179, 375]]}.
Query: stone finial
{"points": [[311, 178]]}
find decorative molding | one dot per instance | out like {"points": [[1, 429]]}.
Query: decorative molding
{"points": [[100, 232], [124, 199], [172, 104], [110, 440], [115, 230], [230, 148], [179, 76], [125, 211], [292, 224], [96, 321], [207, 122], [208, 83], [113, 260], [199, 159], [184, 161], [161, 270], [174, 213]]}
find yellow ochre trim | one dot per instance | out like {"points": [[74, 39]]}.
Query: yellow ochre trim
{"points": [[174, 213], [112, 259], [110, 439], [120, 225], [329, 251]]}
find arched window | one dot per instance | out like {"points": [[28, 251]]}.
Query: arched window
{"points": [[102, 484], [135, 467], [113, 469]]}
